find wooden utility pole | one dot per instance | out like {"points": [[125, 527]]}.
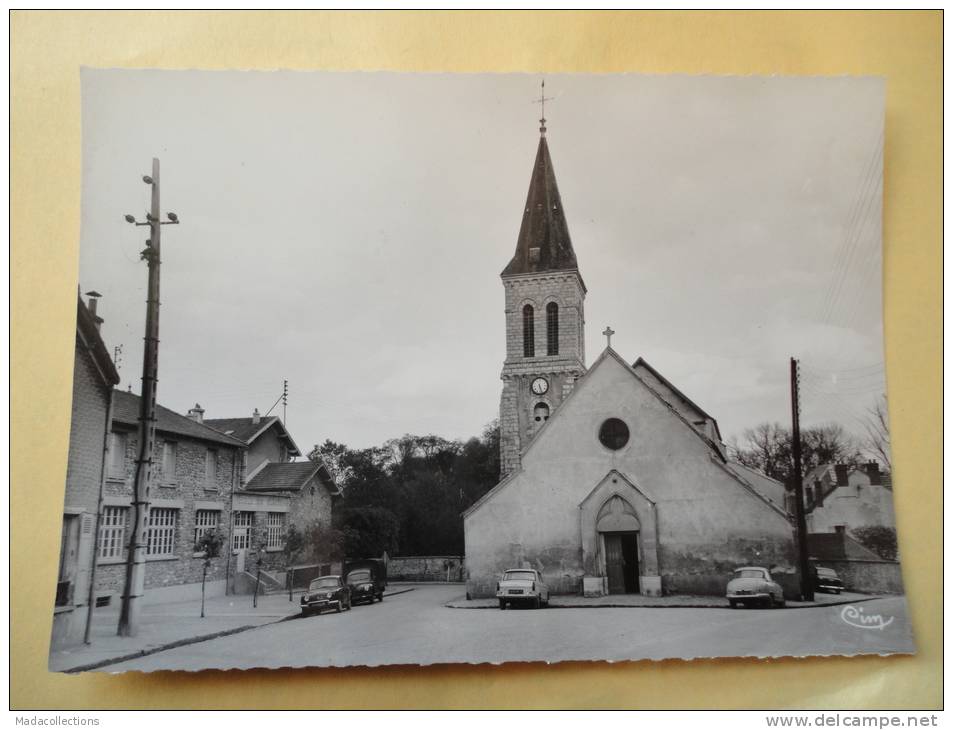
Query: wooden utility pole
{"points": [[804, 564], [136, 558]]}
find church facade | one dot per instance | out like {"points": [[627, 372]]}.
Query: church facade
{"points": [[613, 480]]}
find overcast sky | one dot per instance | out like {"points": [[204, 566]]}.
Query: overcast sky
{"points": [[346, 232]]}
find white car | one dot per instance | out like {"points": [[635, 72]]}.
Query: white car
{"points": [[522, 585], [753, 585]]}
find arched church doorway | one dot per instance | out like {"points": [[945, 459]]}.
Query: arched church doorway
{"points": [[622, 561], [619, 527]]}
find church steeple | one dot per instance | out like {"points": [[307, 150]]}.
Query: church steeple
{"points": [[543, 243], [545, 321]]}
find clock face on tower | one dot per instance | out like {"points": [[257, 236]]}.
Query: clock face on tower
{"points": [[540, 386]]}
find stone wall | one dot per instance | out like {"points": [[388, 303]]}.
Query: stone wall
{"points": [[867, 576], [426, 568], [185, 490], [83, 477], [517, 425], [311, 504]]}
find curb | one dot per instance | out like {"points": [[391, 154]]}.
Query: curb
{"points": [[172, 645], [674, 605], [187, 641]]}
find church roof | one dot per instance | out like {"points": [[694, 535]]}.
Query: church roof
{"points": [[718, 456], [642, 363], [543, 243]]}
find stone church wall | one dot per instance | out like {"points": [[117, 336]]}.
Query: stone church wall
{"points": [[707, 522]]}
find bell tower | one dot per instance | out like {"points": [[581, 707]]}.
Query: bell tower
{"points": [[544, 295]]}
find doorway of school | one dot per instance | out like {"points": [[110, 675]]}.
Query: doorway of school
{"points": [[622, 561]]}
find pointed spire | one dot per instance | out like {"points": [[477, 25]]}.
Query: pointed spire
{"points": [[544, 243]]}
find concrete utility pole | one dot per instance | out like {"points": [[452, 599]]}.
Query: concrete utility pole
{"points": [[136, 559], [804, 564]]}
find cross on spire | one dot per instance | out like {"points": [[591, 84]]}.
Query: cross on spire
{"points": [[542, 106], [608, 335]]}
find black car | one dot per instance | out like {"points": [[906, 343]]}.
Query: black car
{"points": [[827, 580], [366, 579], [329, 591]]}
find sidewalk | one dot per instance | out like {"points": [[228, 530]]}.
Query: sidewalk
{"points": [[168, 625], [638, 601], [171, 624]]}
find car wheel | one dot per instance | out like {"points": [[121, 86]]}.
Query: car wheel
{"points": [[380, 597], [502, 605], [733, 604], [536, 602]]}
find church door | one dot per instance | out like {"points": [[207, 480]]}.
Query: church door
{"points": [[622, 561]]}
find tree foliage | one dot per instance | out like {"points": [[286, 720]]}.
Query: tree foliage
{"points": [[882, 540], [407, 496]]}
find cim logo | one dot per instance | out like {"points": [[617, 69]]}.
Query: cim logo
{"points": [[856, 617]]}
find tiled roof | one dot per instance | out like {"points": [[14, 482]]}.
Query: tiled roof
{"points": [[245, 429], [126, 410], [543, 243], [288, 477]]}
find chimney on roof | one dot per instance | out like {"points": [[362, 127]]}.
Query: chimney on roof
{"points": [[840, 470], [256, 417], [873, 471], [196, 413], [91, 306], [818, 492]]}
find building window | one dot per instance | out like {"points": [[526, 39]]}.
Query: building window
{"points": [[112, 532], [206, 520], [552, 328], [241, 533], [614, 434], [160, 536], [168, 461], [117, 454], [211, 467], [529, 332], [276, 531]]}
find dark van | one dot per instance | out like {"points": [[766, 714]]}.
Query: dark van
{"points": [[367, 580]]}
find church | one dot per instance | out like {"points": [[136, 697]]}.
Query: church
{"points": [[612, 479]]}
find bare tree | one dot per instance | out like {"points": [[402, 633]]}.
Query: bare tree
{"points": [[767, 448], [878, 432]]}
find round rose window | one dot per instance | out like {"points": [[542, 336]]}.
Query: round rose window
{"points": [[614, 434]]}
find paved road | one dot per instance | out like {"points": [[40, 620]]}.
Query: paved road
{"points": [[416, 628]]}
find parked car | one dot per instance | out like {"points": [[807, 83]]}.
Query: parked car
{"points": [[522, 585], [827, 580], [752, 585], [366, 579], [328, 591]]}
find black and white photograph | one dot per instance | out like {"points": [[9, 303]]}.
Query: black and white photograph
{"points": [[378, 368]]}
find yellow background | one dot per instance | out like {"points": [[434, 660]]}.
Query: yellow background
{"points": [[47, 51]]}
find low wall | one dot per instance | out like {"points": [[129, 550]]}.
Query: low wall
{"points": [[867, 576], [426, 568]]}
